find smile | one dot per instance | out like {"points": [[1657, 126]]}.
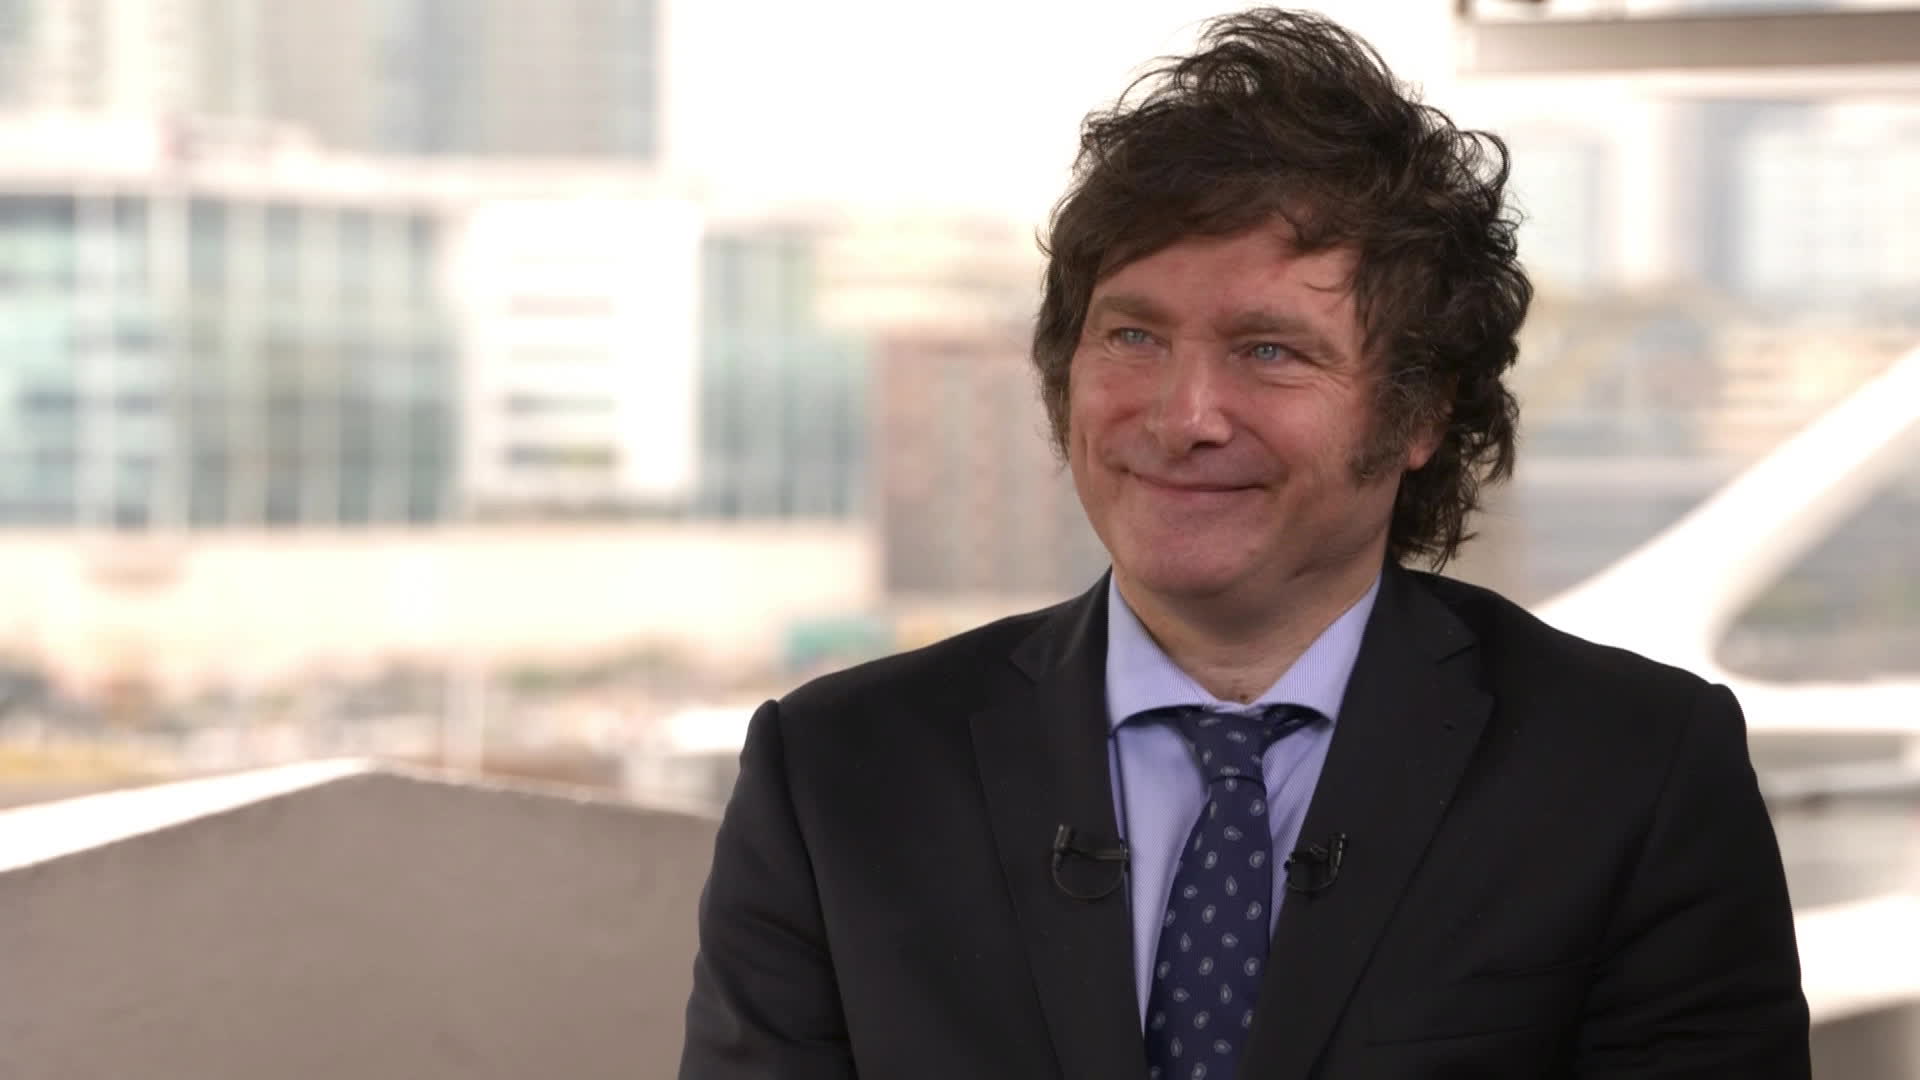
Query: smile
{"points": [[1193, 488]]}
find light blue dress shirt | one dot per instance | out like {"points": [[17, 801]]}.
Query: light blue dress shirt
{"points": [[1158, 792]]}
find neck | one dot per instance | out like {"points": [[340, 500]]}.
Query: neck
{"points": [[1237, 655]]}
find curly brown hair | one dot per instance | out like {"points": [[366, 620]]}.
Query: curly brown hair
{"points": [[1285, 115]]}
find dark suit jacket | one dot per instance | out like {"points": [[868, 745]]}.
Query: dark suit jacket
{"points": [[1558, 865]]}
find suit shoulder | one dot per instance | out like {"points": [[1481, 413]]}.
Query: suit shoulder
{"points": [[1517, 643], [959, 662]]}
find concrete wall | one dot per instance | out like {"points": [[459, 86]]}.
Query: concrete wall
{"points": [[250, 607], [1882, 1045], [389, 925], [375, 926]]}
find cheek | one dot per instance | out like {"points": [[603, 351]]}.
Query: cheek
{"points": [[1086, 413], [1103, 397], [1080, 438], [1091, 478]]}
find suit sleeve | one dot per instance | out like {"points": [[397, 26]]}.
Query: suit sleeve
{"points": [[1701, 975], [764, 1002]]}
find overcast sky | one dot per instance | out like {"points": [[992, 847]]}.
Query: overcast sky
{"points": [[971, 105]]}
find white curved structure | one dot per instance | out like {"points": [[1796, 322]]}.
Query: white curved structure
{"points": [[1674, 597]]}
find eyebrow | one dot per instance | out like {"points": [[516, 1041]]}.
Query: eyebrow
{"points": [[1129, 305], [1248, 323]]}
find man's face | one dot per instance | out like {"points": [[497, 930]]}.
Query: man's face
{"points": [[1219, 405]]}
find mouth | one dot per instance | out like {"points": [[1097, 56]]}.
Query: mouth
{"points": [[1189, 487]]}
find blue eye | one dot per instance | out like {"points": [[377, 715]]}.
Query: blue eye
{"points": [[1267, 352], [1128, 335]]}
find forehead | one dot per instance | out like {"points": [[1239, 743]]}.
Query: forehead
{"points": [[1261, 266]]}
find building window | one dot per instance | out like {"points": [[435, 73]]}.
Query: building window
{"points": [[525, 404], [130, 248], [420, 269], [283, 252], [355, 265], [596, 456], [207, 246]]}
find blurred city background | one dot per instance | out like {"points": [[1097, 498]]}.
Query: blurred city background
{"points": [[533, 388]]}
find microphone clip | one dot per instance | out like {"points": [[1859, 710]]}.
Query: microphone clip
{"points": [[1311, 869], [1087, 867]]}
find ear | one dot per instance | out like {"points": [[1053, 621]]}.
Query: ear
{"points": [[1426, 441]]}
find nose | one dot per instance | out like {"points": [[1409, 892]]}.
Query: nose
{"points": [[1188, 409]]}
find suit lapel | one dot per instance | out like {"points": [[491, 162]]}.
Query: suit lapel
{"points": [[1407, 728], [1042, 757]]}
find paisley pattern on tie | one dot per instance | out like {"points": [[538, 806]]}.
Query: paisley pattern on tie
{"points": [[1212, 952]]}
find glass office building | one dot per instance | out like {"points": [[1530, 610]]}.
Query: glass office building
{"points": [[783, 399], [177, 356]]}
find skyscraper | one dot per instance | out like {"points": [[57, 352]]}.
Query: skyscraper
{"points": [[157, 57], [569, 78]]}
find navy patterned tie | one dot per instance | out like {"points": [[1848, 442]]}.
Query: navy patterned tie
{"points": [[1213, 941]]}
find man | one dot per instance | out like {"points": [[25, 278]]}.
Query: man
{"points": [[1262, 803]]}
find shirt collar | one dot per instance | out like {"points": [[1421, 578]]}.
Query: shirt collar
{"points": [[1141, 676]]}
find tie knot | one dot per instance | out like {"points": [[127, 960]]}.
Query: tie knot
{"points": [[1229, 746]]}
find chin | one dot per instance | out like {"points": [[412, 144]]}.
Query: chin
{"points": [[1172, 576]]}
